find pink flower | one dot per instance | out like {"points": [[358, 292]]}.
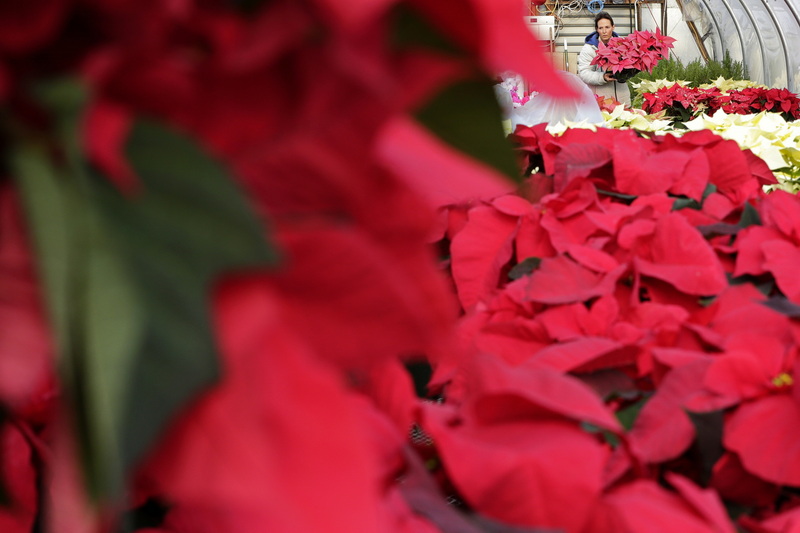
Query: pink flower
{"points": [[640, 50]]}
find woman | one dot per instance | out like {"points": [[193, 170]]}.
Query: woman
{"points": [[600, 81]]}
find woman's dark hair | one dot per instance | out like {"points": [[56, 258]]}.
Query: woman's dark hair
{"points": [[602, 15]]}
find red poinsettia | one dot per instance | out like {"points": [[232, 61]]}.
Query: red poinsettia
{"points": [[680, 101], [640, 50], [756, 99], [686, 102]]}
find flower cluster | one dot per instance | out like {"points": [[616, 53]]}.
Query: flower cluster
{"points": [[686, 102], [680, 101], [640, 50], [632, 316], [214, 256], [755, 99], [224, 306]]}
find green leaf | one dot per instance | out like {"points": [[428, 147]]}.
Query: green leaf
{"points": [[610, 438], [782, 305], [129, 280], [466, 115], [90, 304], [684, 203], [710, 189], [190, 225], [51, 216], [627, 415], [750, 216], [524, 267], [627, 198]]}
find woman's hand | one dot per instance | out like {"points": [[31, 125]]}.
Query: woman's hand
{"points": [[607, 76]]}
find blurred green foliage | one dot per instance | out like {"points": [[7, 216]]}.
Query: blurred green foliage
{"points": [[697, 72]]}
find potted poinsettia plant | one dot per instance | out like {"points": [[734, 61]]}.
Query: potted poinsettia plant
{"points": [[755, 99], [638, 51], [680, 102], [683, 103]]}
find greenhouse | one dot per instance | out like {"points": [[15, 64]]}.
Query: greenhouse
{"points": [[400, 266], [762, 35]]}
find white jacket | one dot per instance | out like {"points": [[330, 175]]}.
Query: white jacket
{"points": [[592, 75]]}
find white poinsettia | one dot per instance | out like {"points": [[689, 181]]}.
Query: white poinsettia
{"points": [[765, 134], [726, 84], [651, 86], [622, 118]]}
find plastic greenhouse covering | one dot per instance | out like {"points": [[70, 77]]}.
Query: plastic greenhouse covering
{"points": [[763, 34]]}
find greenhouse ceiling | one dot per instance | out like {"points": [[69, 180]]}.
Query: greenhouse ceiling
{"points": [[763, 34]]}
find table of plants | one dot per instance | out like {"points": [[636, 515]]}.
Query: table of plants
{"points": [[273, 266]]}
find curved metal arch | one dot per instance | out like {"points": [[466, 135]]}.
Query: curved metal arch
{"points": [[782, 37], [719, 31], [791, 77], [791, 7], [755, 30], [735, 24]]}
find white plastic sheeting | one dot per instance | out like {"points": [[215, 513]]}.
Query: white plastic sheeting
{"points": [[762, 34]]}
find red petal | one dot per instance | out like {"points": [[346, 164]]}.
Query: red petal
{"points": [[730, 171], [591, 258], [513, 340], [693, 179], [533, 240], [568, 356], [681, 256], [19, 480], [355, 13], [26, 347], [733, 483], [415, 155], [765, 433], [479, 252], [565, 322], [704, 502], [23, 27], [738, 375], [785, 522], [781, 258], [578, 161], [750, 257], [545, 474], [639, 169], [779, 210], [105, 131], [503, 391], [663, 431], [359, 300], [253, 444], [560, 280], [740, 309], [644, 506]]}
